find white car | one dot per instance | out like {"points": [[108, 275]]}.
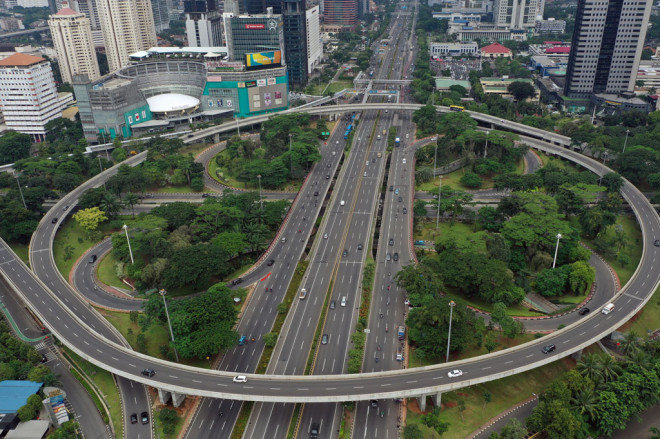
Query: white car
{"points": [[240, 379], [325, 236], [404, 161], [455, 373]]}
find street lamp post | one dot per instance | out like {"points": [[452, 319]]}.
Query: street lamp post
{"points": [[625, 142], [20, 190], [291, 155], [162, 292], [238, 128], [261, 201], [452, 304], [554, 261], [129, 243], [433, 97], [486, 148], [437, 219], [101, 168], [601, 175]]}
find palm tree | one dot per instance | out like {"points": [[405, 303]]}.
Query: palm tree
{"points": [[110, 205], [131, 199], [609, 368], [589, 367], [639, 359], [586, 403], [630, 343]]}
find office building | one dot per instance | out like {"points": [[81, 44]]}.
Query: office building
{"points": [[128, 27], [72, 38], [454, 49], [606, 47], [161, 15], [203, 23], [549, 26], [314, 43], [294, 18], [253, 34], [28, 96], [517, 14], [340, 12]]}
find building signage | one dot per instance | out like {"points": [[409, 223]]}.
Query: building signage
{"points": [[255, 26], [261, 82], [271, 81], [249, 84], [214, 79]]}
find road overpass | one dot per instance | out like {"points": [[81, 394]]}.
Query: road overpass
{"points": [[84, 339]]}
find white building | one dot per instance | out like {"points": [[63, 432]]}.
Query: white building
{"points": [[72, 38], [454, 49], [611, 31], [517, 14], [128, 27], [32, 3], [549, 26], [314, 44], [28, 96]]}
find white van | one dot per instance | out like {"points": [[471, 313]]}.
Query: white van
{"points": [[608, 308], [343, 301], [342, 202], [399, 354]]}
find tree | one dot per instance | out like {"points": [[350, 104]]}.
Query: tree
{"points": [[412, 431], [488, 397], [42, 374], [521, 90], [432, 420], [14, 146], [270, 339], [513, 430], [110, 205], [195, 265], [203, 325], [131, 199], [233, 243], [89, 219], [581, 276], [168, 418], [612, 181]]}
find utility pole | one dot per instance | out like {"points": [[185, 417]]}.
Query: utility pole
{"points": [[162, 292], [129, 243], [261, 201], [554, 261], [20, 190], [437, 219], [452, 304], [625, 142]]}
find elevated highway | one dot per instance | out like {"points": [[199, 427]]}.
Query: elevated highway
{"points": [[80, 331]]}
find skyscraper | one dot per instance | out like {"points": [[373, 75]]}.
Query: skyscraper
{"points": [[252, 34], [295, 40], [161, 15], [72, 38], [606, 47], [340, 12], [517, 14], [203, 23], [128, 27], [28, 96]]}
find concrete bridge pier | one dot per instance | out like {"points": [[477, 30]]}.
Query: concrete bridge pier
{"points": [[166, 395], [577, 355], [421, 402], [437, 399], [216, 138]]}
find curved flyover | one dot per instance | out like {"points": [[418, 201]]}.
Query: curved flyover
{"points": [[74, 329]]}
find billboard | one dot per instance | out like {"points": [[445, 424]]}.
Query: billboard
{"points": [[261, 60], [268, 97], [255, 26]]}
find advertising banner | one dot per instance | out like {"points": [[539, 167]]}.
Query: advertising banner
{"points": [[263, 59]]}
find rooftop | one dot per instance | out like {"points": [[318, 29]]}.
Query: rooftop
{"points": [[66, 11], [495, 48], [14, 394], [167, 102], [30, 429], [562, 49], [20, 60]]}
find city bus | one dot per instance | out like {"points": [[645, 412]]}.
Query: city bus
{"points": [[456, 108]]}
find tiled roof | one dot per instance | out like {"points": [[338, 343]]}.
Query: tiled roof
{"points": [[66, 11], [495, 48], [20, 59]]}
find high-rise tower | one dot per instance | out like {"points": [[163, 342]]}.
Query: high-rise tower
{"points": [[72, 38], [607, 45]]}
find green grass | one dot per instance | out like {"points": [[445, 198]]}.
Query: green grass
{"points": [[453, 179], [22, 250], [339, 86], [156, 336], [464, 234], [105, 384], [194, 149], [175, 190], [505, 392], [107, 272], [242, 420], [71, 234], [647, 320], [633, 247]]}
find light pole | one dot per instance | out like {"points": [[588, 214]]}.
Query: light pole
{"points": [[129, 243], [98, 155], [433, 97], [162, 292], [291, 155], [601, 176], [238, 128], [20, 190], [554, 261], [625, 142], [452, 304], [486, 148], [261, 201], [437, 219]]}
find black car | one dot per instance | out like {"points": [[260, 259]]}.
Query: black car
{"points": [[327, 177], [400, 199], [148, 372], [374, 403], [391, 188], [237, 281], [314, 431], [316, 194], [584, 311], [54, 220], [145, 417], [391, 241], [44, 359], [656, 242], [92, 259], [270, 262], [134, 418], [345, 253], [396, 257], [549, 348], [405, 210], [359, 247]]}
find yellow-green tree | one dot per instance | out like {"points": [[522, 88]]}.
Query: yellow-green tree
{"points": [[89, 219]]}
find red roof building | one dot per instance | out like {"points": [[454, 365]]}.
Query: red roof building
{"points": [[496, 50], [558, 50]]}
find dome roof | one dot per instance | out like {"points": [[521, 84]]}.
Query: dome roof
{"points": [[165, 103]]}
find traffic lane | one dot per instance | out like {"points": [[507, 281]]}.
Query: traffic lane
{"points": [[135, 400]]}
